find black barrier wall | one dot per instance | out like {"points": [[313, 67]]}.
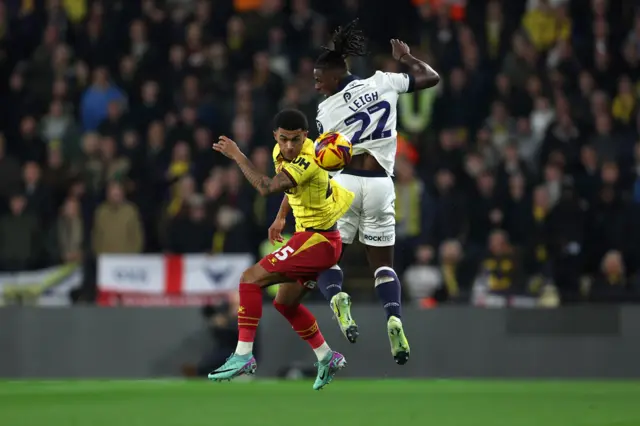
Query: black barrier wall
{"points": [[449, 342]]}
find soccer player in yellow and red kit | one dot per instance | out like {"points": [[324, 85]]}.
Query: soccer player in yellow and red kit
{"points": [[317, 202]]}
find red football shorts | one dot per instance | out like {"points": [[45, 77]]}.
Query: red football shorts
{"points": [[305, 255]]}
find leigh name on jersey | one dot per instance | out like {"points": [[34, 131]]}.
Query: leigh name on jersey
{"points": [[361, 101]]}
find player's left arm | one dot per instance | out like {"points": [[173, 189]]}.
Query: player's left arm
{"points": [[263, 184], [422, 75]]}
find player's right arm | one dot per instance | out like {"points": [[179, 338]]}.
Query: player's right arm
{"points": [[263, 184], [423, 76]]}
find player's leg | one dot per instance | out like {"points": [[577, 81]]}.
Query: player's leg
{"points": [[304, 323], [377, 233], [388, 289], [330, 281], [249, 313], [340, 304], [287, 302]]}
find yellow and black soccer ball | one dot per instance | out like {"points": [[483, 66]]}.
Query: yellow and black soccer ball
{"points": [[333, 151]]}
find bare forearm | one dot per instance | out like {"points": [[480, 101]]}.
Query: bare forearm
{"points": [[259, 181], [425, 76], [285, 208], [263, 184]]}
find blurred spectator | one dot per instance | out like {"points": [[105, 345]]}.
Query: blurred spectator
{"points": [[520, 63], [545, 24], [58, 125], [116, 226], [487, 213], [9, 171], [624, 103], [38, 195], [56, 176], [204, 157], [536, 242], [114, 167], [450, 213], [501, 272], [114, 123], [566, 232], [517, 209], [28, 145], [234, 230], [193, 232], [70, 232], [414, 210], [21, 228], [612, 283], [213, 188], [95, 100], [450, 281], [149, 108]]}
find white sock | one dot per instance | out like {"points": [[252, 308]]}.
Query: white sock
{"points": [[244, 348], [322, 351]]}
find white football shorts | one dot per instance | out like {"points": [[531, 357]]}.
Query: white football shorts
{"points": [[372, 214]]}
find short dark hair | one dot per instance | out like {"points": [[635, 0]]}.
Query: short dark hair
{"points": [[347, 41], [290, 119]]}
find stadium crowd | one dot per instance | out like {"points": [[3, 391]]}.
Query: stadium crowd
{"points": [[518, 175]]}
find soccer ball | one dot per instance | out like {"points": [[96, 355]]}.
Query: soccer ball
{"points": [[333, 151]]}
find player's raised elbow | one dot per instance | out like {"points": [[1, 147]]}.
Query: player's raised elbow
{"points": [[427, 81], [435, 79]]}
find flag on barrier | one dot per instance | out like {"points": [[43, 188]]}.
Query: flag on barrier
{"points": [[168, 280]]}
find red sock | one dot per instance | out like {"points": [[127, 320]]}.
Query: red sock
{"points": [[249, 312], [303, 323]]}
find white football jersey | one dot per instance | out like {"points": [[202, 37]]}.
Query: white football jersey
{"points": [[365, 111]]}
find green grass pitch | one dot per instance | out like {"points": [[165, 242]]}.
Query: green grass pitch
{"points": [[344, 402]]}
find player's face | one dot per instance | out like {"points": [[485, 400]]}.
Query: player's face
{"points": [[290, 142], [326, 81]]}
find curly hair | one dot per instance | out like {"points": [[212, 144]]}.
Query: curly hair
{"points": [[347, 41]]}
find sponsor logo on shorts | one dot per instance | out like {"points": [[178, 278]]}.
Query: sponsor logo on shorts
{"points": [[310, 285], [378, 238]]}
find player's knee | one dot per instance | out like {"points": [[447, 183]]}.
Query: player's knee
{"points": [[385, 274], [380, 257], [284, 308], [288, 296], [252, 275]]}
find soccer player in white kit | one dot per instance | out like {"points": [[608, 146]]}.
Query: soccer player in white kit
{"points": [[364, 110]]}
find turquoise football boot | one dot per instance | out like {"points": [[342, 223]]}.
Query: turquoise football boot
{"points": [[236, 365], [327, 368]]}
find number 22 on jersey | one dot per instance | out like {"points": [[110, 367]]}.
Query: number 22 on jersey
{"points": [[381, 111]]}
